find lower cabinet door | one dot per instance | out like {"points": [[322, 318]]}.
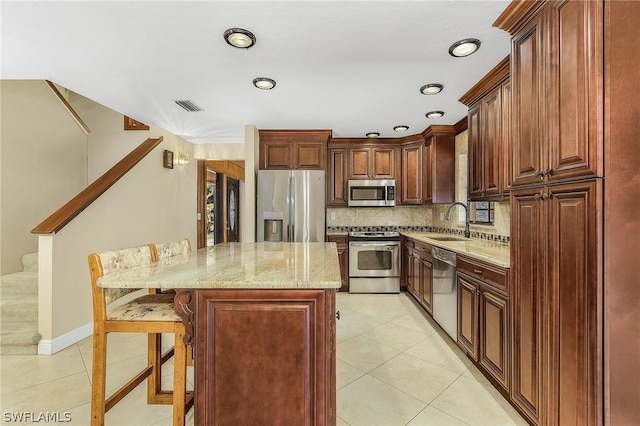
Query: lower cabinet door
{"points": [[494, 336], [265, 357], [468, 315]]}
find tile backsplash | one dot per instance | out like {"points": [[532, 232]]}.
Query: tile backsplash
{"points": [[429, 217]]}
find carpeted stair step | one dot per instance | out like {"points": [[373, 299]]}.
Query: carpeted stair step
{"points": [[19, 338]]}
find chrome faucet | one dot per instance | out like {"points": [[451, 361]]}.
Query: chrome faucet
{"points": [[467, 233]]}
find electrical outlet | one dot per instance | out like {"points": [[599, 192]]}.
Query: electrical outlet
{"points": [[333, 216]]}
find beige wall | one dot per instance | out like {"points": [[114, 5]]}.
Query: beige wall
{"points": [[150, 203], [41, 169]]}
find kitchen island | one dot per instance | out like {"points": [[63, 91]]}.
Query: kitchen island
{"points": [[261, 318]]}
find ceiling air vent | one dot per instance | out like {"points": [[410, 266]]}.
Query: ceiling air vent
{"points": [[189, 106]]}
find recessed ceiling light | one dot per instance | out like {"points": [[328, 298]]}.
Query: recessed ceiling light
{"points": [[431, 89], [264, 83], [372, 134], [240, 38], [434, 114], [401, 128], [464, 47]]}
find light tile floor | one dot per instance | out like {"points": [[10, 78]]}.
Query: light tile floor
{"points": [[394, 367]]}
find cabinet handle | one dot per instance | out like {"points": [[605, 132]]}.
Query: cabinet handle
{"points": [[477, 271], [536, 197], [338, 315], [545, 196], [546, 172]]}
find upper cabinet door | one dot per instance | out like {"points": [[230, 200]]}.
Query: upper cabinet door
{"points": [[492, 142], [575, 86], [527, 60], [476, 181], [412, 178]]}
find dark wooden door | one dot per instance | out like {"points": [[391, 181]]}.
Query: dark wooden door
{"points": [[309, 156], [265, 357], [233, 210], [412, 169], [528, 232], [494, 335], [575, 95], [527, 61], [476, 186], [491, 142], [575, 294], [337, 181], [468, 314]]}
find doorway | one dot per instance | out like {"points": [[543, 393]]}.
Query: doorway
{"points": [[219, 201]]}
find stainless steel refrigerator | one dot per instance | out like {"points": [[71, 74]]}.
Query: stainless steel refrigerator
{"points": [[291, 205]]}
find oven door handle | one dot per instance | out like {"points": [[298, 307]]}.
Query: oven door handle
{"points": [[372, 244]]}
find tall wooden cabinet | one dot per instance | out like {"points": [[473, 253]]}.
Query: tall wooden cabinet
{"points": [[556, 207]]}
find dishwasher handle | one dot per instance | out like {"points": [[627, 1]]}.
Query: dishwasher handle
{"points": [[445, 256]]}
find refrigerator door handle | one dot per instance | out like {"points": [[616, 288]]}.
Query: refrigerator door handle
{"points": [[291, 204]]}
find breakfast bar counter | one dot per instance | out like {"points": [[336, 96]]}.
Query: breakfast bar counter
{"points": [[261, 318]]}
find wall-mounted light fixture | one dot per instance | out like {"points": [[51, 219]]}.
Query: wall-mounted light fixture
{"points": [[182, 159]]}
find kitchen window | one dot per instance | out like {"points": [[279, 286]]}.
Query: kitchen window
{"points": [[482, 212]]}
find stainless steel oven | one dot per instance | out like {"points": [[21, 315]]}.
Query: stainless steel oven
{"points": [[374, 262]]}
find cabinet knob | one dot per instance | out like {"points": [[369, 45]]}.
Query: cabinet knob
{"points": [[536, 197], [546, 172], [545, 196]]}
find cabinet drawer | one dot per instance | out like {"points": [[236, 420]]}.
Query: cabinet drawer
{"points": [[491, 275], [422, 249]]}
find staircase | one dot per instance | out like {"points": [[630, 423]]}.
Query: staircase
{"points": [[19, 309]]}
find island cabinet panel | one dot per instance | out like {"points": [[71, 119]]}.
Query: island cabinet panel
{"points": [[265, 357], [293, 149]]}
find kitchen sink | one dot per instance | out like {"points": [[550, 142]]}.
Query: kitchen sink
{"points": [[446, 238]]}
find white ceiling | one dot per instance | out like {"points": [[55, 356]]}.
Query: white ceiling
{"points": [[350, 66]]}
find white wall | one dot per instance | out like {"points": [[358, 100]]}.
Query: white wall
{"points": [[43, 164]]}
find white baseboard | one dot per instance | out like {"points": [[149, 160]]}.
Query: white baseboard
{"points": [[51, 346]]}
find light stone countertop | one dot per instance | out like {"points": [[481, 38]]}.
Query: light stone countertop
{"points": [[485, 250], [267, 265]]}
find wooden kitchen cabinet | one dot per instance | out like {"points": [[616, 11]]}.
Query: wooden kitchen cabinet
{"points": [[557, 79], [557, 289], [413, 173], [420, 279], [489, 127], [265, 357], [483, 318], [342, 243], [336, 181], [439, 164], [556, 209], [377, 162], [406, 263], [293, 149]]}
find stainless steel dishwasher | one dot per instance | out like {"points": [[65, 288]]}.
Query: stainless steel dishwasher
{"points": [[445, 291]]}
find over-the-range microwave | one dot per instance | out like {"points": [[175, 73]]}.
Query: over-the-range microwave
{"points": [[371, 193]]}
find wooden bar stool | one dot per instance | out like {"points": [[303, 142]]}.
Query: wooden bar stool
{"points": [[152, 314]]}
